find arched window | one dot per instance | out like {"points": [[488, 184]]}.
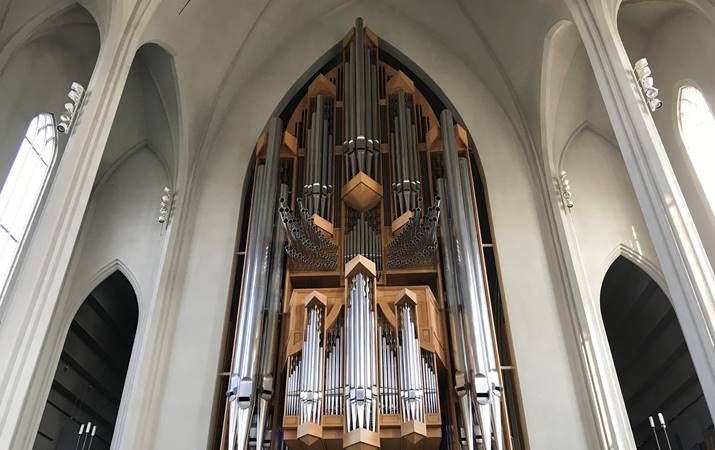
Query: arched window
{"points": [[23, 188], [697, 129]]}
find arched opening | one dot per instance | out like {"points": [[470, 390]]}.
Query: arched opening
{"points": [[654, 367], [89, 380]]}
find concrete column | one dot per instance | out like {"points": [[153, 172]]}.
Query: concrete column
{"points": [[690, 278], [33, 295]]}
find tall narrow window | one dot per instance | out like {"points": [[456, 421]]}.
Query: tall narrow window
{"points": [[23, 188], [697, 129]]}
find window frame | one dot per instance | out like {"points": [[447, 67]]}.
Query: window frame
{"points": [[700, 189], [39, 201]]}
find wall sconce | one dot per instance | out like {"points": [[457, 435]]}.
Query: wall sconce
{"points": [[565, 190], [167, 199], [646, 82], [76, 94]]}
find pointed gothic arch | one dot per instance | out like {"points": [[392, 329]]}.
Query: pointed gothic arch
{"points": [[93, 363], [654, 367]]}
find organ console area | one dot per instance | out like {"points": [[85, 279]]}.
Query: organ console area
{"points": [[363, 319]]}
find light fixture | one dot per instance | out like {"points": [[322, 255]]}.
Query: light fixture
{"points": [[76, 94], [167, 199], [647, 84], [565, 190]]}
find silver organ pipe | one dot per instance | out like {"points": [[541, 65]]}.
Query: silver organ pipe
{"points": [[269, 346], [411, 381], [243, 384], [292, 398], [486, 325], [363, 236], [471, 282], [334, 370], [361, 380], [308, 248], [416, 243], [406, 185], [456, 326], [311, 380], [429, 374], [317, 191], [389, 388], [362, 147]]}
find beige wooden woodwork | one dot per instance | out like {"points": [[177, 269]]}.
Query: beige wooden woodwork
{"points": [[362, 192], [321, 86]]}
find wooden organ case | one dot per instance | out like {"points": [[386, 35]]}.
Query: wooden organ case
{"points": [[363, 320]]}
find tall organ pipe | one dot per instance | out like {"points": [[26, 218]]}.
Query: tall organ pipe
{"points": [[361, 145], [487, 329], [456, 327], [311, 383], [411, 383], [269, 347], [319, 154], [361, 380], [470, 280], [406, 185], [243, 384]]}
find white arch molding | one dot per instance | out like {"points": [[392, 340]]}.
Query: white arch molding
{"points": [[606, 402], [47, 363]]}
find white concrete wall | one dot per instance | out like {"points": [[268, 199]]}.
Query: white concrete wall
{"points": [[121, 223], [606, 213]]}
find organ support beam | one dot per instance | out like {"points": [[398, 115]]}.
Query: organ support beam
{"points": [[363, 319]]}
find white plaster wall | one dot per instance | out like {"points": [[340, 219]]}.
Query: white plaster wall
{"points": [[550, 386], [121, 224], [606, 214], [681, 47]]}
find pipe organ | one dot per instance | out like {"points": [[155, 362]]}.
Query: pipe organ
{"points": [[364, 318]]}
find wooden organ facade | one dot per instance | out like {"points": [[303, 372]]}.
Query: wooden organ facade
{"points": [[363, 313]]}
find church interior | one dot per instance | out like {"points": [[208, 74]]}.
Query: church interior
{"points": [[357, 224]]}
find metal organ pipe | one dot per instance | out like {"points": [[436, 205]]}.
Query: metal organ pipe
{"points": [[269, 347], [334, 371], [389, 391], [317, 191], [406, 184], [363, 236], [411, 381], [243, 384], [311, 381], [456, 326], [361, 380], [493, 374], [472, 286], [362, 147]]}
